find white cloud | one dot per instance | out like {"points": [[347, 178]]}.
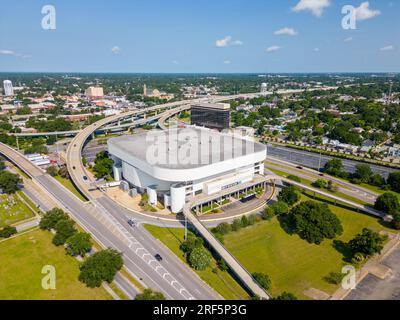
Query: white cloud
{"points": [[387, 48], [175, 62], [316, 49], [228, 41], [227, 62], [348, 39], [273, 49], [315, 6], [13, 53], [363, 12], [286, 31], [116, 50]]}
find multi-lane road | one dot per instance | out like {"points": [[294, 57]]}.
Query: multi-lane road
{"points": [[316, 161]]}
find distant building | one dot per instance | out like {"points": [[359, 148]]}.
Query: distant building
{"points": [[8, 88], [264, 88], [94, 92], [214, 116]]}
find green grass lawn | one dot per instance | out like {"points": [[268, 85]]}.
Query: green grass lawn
{"points": [[309, 183], [13, 210], [293, 264], [22, 259], [70, 186], [222, 282]]}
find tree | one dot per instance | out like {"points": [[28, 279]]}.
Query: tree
{"points": [[9, 182], [51, 218], [334, 167], [79, 244], [320, 184], [149, 294], [222, 229], [363, 173], [290, 195], [7, 232], [268, 213], [2, 165], [315, 222], [367, 243], [280, 208], [263, 280], [377, 180], [222, 265], [64, 230], [101, 266], [199, 258], [286, 296], [191, 243], [396, 220], [52, 170], [103, 165], [387, 203], [334, 278], [394, 181]]}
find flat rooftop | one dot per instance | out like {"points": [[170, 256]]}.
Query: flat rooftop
{"points": [[218, 106], [183, 148]]}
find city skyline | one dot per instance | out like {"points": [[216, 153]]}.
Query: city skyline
{"points": [[291, 36]]}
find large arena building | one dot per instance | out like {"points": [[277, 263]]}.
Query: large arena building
{"points": [[175, 165]]}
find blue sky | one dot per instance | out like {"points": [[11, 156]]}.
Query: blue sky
{"points": [[200, 36]]}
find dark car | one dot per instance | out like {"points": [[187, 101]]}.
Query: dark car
{"points": [[85, 178], [321, 175], [158, 257], [299, 167], [132, 223]]}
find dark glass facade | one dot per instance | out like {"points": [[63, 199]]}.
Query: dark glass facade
{"points": [[213, 118]]}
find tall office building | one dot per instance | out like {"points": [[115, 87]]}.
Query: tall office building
{"points": [[211, 115], [8, 88]]}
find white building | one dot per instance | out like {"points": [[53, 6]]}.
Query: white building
{"points": [[8, 88], [94, 92], [264, 88], [178, 164]]}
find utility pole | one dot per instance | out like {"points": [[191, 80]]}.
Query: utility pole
{"points": [[320, 162]]}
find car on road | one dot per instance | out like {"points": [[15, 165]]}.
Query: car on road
{"points": [[85, 178], [132, 223], [158, 257], [321, 175]]}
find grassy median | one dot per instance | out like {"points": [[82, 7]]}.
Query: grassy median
{"points": [[222, 282]]}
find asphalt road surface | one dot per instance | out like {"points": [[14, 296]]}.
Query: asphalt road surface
{"points": [[373, 288], [311, 160]]}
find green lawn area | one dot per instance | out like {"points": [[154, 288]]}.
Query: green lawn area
{"points": [[293, 264], [22, 260], [70, 186], [13, 210], [309, 183], [222, 282]]}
